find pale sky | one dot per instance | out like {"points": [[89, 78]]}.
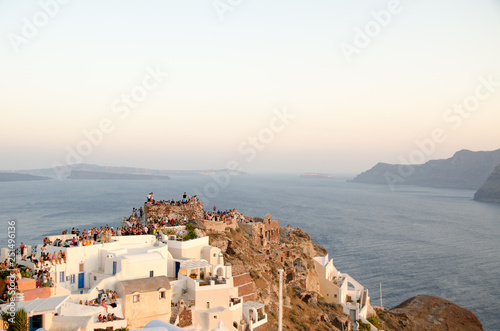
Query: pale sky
{"points": [[346, 99]]}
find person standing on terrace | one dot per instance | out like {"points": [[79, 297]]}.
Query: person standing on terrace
{"points": [[23, 250]]}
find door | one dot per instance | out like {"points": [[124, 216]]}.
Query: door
{"points": [[35, 322], [81, 280], [177, 268], [114, 267]]}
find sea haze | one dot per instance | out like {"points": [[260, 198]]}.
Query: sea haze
{"points": [[413, 241]]}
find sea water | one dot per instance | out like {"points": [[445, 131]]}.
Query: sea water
{"points": [[413, 240]]}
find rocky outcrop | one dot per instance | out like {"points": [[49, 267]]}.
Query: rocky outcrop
{"points": [[160, 211], [465, 170], [256, 275], [425, 312], [304, 308], [490, 191]]}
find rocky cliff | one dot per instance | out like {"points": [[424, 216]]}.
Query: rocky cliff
{"points": [[255, 270], [465, 170], [490, 191], [304, 308], [425, 312]]}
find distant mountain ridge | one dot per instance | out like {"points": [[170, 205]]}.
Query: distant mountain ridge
{"points": [[15, 177], [490, 191], [465, 170], [64, 172], [112, 176]]}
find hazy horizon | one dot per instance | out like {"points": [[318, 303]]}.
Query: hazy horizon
{"points": [[291, 87]]}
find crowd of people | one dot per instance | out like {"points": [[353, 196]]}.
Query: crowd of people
{"points": [[139, 225], [187, 201], [226, 216], [108, 317], [54, 258]]}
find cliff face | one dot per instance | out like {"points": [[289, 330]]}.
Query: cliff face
{"points": [[255, 271], [304, 309], [425, 312], [465, 170], [490, 191]]}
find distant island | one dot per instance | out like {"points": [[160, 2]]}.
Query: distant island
{"points": [[315, 175], [113, 176], [15, 177], [490, 191], [465, 170], [63, 172]]}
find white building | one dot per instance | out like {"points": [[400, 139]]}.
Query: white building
{"points": [[337, 287], [191, 271]]}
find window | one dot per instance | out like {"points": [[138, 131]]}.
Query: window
{"points": [[208, 305], [163, 295], [72, 279], [215, 317], [151, 273], [81, 267], [95, 278], [215, 254], [136, 298], [61, 277]]}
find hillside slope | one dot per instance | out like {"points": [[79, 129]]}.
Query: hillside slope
{"points": [[465, 170]]}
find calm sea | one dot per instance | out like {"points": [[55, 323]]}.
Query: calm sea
{"points": [[412, 241]]}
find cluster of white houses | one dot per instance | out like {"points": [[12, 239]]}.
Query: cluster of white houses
{"points": [[163, 284], [168, 281]]}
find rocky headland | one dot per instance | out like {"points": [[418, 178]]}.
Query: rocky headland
{"points": [[424, 312], [465, 170], [257, 266], [490, 191]]}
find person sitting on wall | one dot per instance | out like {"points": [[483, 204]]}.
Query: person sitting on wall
{"points": [[100, 318], [104, 304]]}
